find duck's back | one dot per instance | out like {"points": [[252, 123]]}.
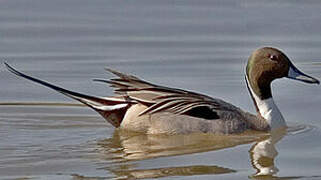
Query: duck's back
{"points": [[157, 109], [170, 123]]}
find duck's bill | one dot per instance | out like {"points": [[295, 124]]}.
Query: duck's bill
{"points": [[296, 74]]}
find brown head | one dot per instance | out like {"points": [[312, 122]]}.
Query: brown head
{"points": [[265, 65]]}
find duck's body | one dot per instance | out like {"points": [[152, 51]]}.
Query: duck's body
{"points": [[226, 119], [169, 123], [155, 109], [145, 107]]}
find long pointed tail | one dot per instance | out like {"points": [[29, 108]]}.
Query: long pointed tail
{"points": [[112, 109]]}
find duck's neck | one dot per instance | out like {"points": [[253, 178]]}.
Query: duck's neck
{"points": [[265, 105]]}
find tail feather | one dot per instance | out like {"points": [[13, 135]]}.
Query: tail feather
{"points": [[112, 109]]}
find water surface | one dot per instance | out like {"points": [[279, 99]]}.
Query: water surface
{"points": [[196, 45]]}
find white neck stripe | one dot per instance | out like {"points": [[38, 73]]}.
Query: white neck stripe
{"points": [[268, 110]]}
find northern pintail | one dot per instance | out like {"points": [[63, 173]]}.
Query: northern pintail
{"points": [[153, 109]]}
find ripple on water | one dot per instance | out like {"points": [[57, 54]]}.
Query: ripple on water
{"points": [[300, 128], [40, 138]]}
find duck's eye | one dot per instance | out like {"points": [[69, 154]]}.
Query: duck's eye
{"points": [[274, 57]]}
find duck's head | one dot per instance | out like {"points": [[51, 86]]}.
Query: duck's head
{"points": [[265, 65]]}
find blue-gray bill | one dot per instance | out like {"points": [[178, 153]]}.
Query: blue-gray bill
{"points": [[296, 74]]}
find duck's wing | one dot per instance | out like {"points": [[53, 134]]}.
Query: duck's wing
{"points": [[159, 98]]}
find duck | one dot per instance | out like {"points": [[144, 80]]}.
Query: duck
{"points": [[141, 106]]}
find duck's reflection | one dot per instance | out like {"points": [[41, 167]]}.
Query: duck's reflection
{"points": [[169, 171], [127, 146], [263, 153]]}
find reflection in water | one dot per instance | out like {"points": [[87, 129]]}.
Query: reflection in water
{"points": [[124, 172], [171, 171], [68, 131], [127, 146], [263, 153]]}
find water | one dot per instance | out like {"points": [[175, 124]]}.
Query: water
{"points": [[196, 45]]}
